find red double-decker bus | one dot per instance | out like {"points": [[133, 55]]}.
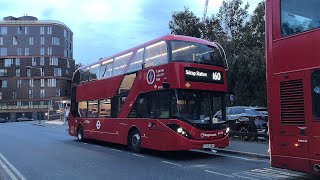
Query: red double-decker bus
{"points": [[160, 95], [293, 83]]}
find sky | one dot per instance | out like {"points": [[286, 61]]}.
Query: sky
{"points": [[102, 28]]}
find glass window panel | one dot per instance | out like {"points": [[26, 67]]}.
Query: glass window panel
{"points": [[105, 108], [298, 16], [120, 64], [106, 69], [93, 108], [136, 63], [82, 108], [156, 54]]}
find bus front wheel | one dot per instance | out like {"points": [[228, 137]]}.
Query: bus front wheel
{"points": [[134, 141], [80, 133]]}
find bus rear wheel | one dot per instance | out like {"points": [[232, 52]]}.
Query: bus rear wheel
{"points": [[134, 141], [80, 133]]}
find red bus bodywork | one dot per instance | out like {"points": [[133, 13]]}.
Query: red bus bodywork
{"points": [[291, 60], [155, 133]]}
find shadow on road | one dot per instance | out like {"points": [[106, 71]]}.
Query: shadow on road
{"points": [[168, 155]]}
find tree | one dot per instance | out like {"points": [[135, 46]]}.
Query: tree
{"points": [[185, 23]]}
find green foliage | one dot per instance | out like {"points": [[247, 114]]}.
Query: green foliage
{"points": [[242, 36]]}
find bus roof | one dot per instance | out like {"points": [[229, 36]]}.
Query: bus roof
{"points": [[164, 38]]}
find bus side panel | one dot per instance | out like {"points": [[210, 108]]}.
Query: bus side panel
{"points": [[292, 163], [99, 89]]}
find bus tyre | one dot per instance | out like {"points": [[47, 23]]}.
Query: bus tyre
{"points": [[80, 133], [135, 141]]}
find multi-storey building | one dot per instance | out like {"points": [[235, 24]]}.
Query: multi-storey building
{"points": [[36, 66]]}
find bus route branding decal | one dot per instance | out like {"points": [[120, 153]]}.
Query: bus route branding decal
{"points": [[151, 76]]}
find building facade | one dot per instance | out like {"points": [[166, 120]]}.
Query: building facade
{"points": [[36, 67]]}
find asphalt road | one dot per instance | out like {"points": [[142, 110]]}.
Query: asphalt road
{"points": [[34, 152]]}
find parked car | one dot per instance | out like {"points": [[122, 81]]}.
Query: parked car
{"points": [[246, 121], [3, 120]]}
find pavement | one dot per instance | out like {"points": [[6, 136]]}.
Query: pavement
{"points": [[253, 149]]}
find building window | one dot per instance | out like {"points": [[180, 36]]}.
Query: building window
{"points": [[19, 51], [14, 94], [54, 61], [41, 61], [68, 64], [19, 83], [41, 82], [19, 29], [49, 30], [41, 30], [55, 41], [42, 103], [34, 61], [4, 84], [8, 62], [58, 92], [3, 30], [42, 40], [30, 93], [52, 82], [17, 61], [30, 41], [17, 72], [26, 30], [26, 51], [14, 41], [42, 51], [65, 33], [67, 72], [0, 95], [42, 95], [3, 51], [50, 103], [49, 51], [3, 72], [19, 103], [30, 103], [41, 71], [28, 72], [65, 53], [30, 82], [57, 71], [1, 40]]}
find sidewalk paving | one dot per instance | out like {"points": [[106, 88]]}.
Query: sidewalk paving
{"points": [[237, 147]]}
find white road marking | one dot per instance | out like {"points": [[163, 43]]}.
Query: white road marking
{"points": [[85, 143], [219, 174], [97, 146], [139, 155], [114, 150], [12, 167], [244, 177], [7, 170], [225, 155], [167, 162]]}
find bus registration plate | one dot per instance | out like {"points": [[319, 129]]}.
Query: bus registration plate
{"points": [[208, 146]]}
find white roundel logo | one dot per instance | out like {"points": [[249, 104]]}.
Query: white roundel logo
{"points": [[98, 124], [151, 76]]}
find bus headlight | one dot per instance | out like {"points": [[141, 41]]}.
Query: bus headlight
{"points": [[179, 130], [227, 130]]}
